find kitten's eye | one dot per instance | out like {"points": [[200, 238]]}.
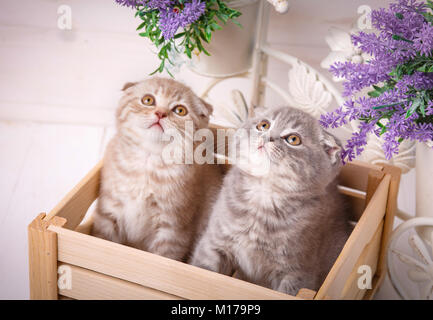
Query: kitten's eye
{"points": [[263, 125], [180, 110], [148, 100], [293, 139]]}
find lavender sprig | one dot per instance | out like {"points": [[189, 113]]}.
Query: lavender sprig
{"points": [[188, 21], [400, 75]]}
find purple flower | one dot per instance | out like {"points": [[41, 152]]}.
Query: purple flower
{"points": [[173, 18], [429, 109], [424, 40], [129, 3], [172, 14], [418, 80], [151, 4], [355, 145], [159, 4], [403, 37]]}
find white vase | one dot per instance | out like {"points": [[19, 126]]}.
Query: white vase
{"points": [[231, 48], [424, 185]]}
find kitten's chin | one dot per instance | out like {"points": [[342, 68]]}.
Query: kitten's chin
{"points": [[257, 164], [258, 172], [154, 134]]}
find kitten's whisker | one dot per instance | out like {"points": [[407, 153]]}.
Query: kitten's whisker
{"points": [[224, 157]]}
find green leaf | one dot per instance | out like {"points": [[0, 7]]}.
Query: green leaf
{"points": [[161, 66], [214, 25], [379, 89], [188, 51], [169, 73], [141, 26], [422, 108], [222, 16], [374, 94], [152, 73], [383, 127], [415, 104], [200, 46], [388, 105], [423, 68], [208, 33], [203, 36], [399, 15], [237, 23], [179, 35], [400, 38]]}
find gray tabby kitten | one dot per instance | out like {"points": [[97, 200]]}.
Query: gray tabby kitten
{"points": [[284, 228]]}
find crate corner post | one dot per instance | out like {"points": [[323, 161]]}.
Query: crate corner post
{"points": [[391, 208], [43, 257], [306, 294]]}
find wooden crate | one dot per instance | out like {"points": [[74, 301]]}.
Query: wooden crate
{"points": [[100, 269]]}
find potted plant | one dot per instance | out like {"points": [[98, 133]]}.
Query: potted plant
{"points": [[187, 29], [399, 76]]}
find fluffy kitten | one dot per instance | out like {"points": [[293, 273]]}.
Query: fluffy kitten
{"points": [[144, 201], [284, 228]]}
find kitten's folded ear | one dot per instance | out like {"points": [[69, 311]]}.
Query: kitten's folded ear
{"points": [[208, 109], [128, 85], [332, 147]]}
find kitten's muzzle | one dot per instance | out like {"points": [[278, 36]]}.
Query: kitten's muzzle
{"points": [[263, 141], [160, 114]]}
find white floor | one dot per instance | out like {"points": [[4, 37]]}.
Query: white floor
{"points": [[40, 163]]}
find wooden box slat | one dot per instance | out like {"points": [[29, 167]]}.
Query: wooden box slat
{"points": [[153, 271], [360, 237], [368, 257], [104, 269], [90, 285], [355, 174]]}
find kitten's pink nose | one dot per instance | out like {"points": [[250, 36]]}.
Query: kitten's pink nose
{"points": [[160, 114]]}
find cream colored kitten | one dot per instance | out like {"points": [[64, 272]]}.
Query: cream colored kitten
{"points": [[145, 202]]}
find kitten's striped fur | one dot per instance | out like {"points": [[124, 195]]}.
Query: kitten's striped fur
{"points": [[282, 230], [144, 202]]}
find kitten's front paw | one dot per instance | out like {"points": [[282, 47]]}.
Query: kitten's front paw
{"points": [[197, 262], [213, 261], [171, 253], [289, 285]]}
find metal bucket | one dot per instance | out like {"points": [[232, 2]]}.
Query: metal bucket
{"points": [[232, 47]]}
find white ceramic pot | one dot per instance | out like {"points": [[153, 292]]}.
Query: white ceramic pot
{"points": [[231, 48], [424, 185]]}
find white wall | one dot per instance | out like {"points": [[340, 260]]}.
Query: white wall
{"points": [[47, 74]]}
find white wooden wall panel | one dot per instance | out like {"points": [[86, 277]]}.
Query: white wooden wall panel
{"points": [[38, 166], [80, 71]]}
